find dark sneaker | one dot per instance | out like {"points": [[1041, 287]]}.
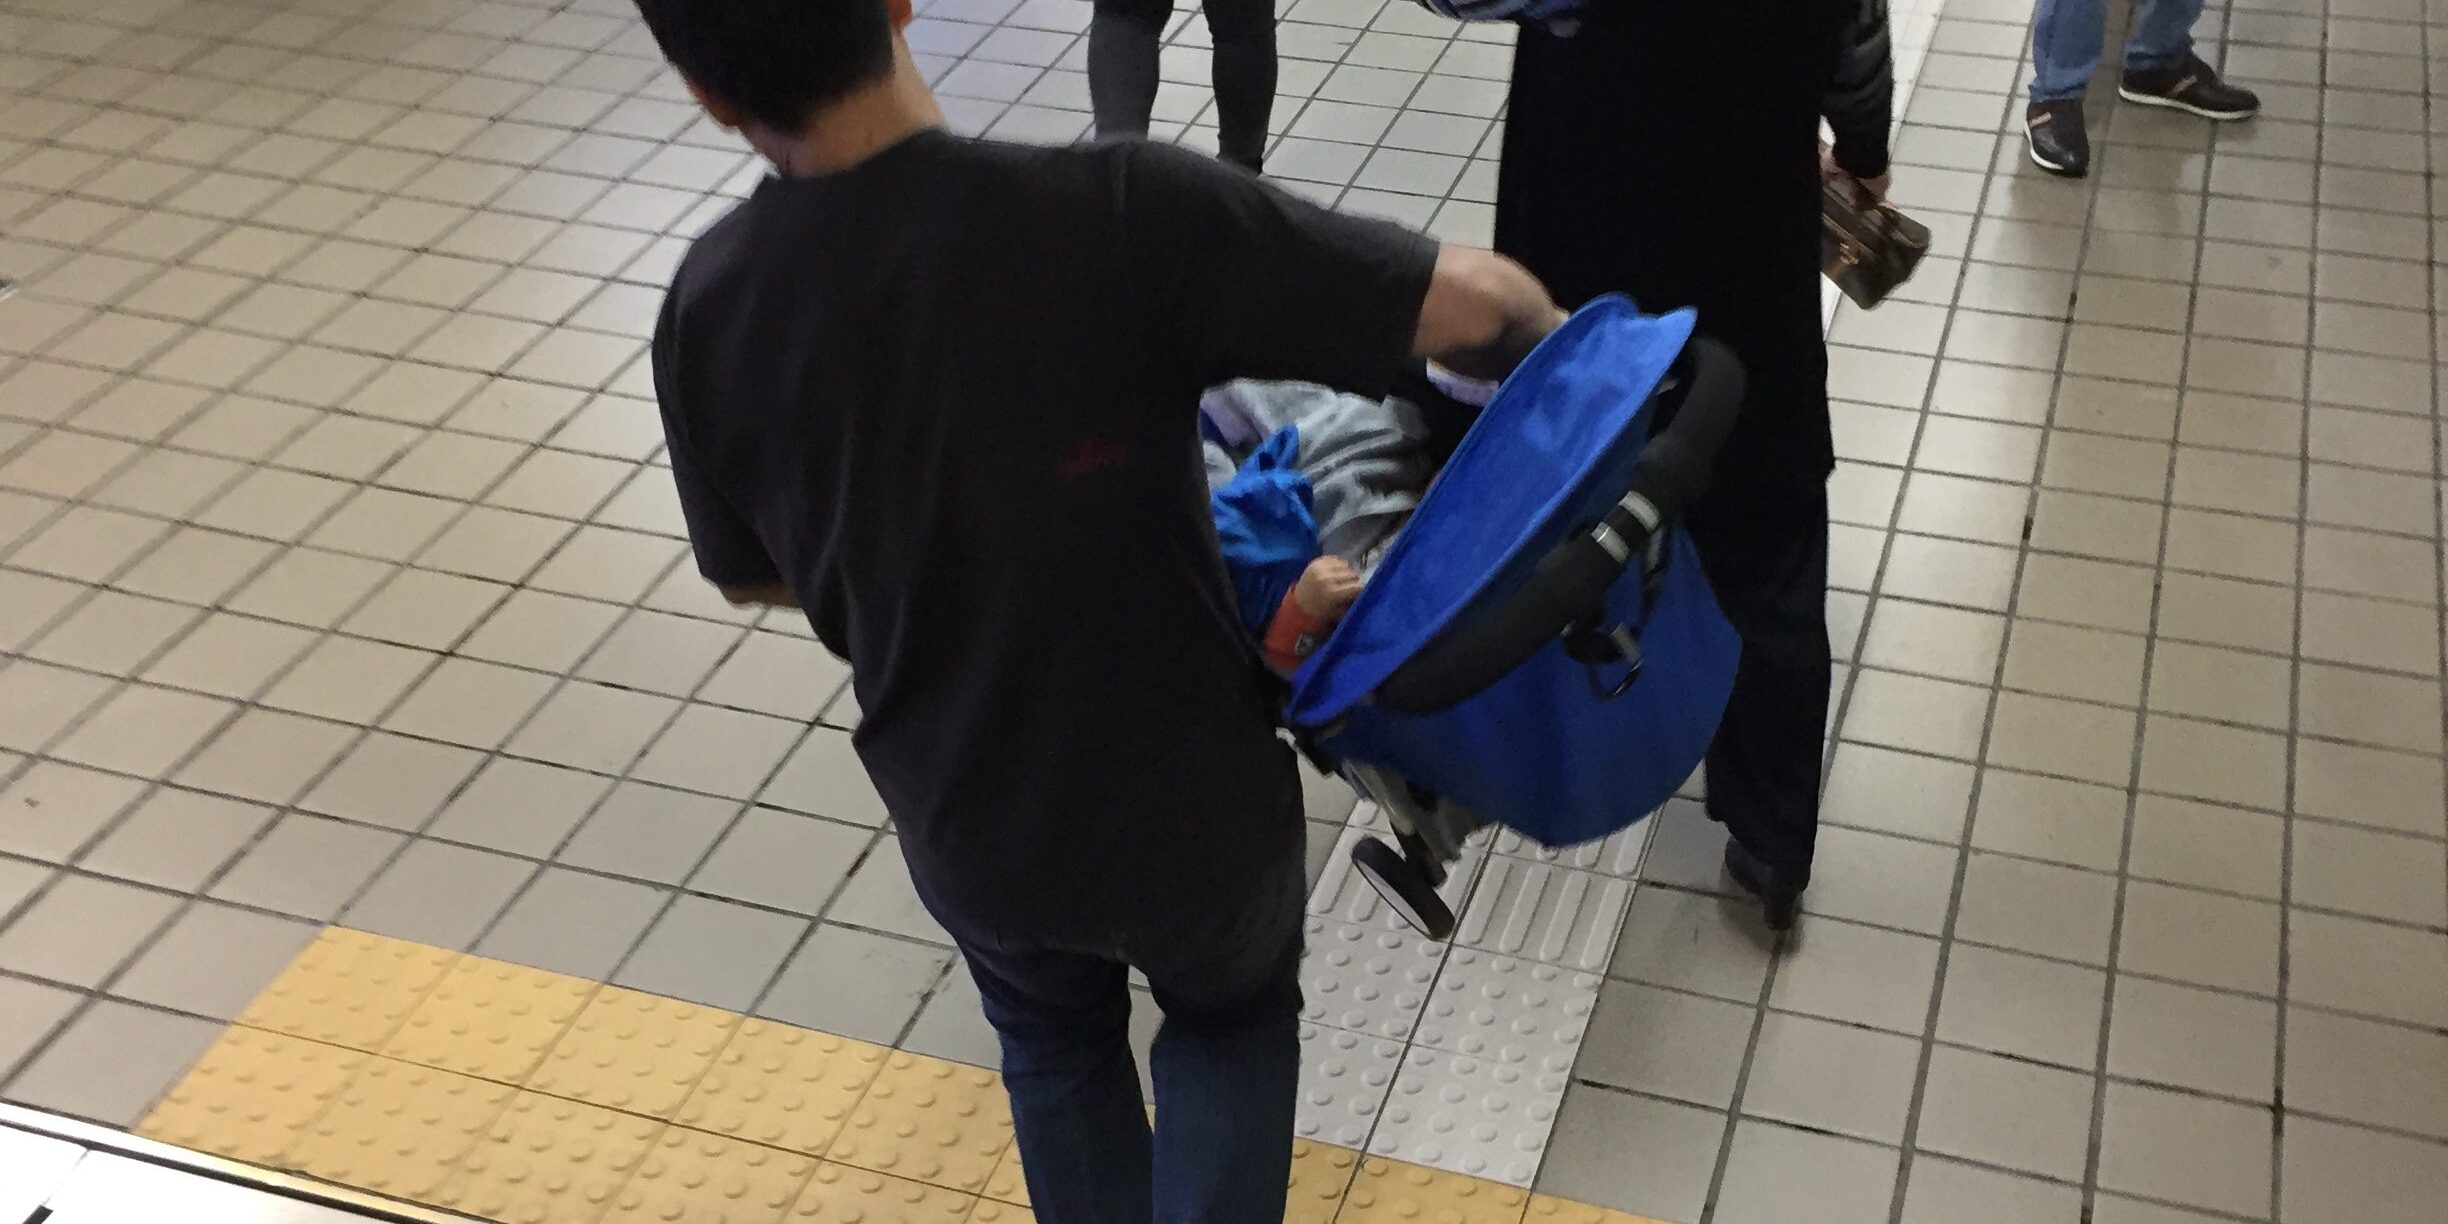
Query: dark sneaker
{"points": [[2191, 86], [1778, 889], [2059, 143]]}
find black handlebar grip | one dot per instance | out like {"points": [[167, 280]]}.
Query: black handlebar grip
{"points": [[1673, 470], [1572, 580]]}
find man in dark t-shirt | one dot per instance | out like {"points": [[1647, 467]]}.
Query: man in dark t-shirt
{"points": [[941, 394]]}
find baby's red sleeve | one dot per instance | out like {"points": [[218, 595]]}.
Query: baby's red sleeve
{"points": [[1291, 635]]}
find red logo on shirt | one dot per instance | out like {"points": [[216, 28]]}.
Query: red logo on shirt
{"points": [[1093, 456]]}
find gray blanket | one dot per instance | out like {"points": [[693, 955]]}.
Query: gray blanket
{"points": [[1366, 460]]}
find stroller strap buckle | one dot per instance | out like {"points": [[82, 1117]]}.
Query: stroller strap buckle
{"points": [[1596, 649]]}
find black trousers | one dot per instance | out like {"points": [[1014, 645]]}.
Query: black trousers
{"points": [[1770, 567], [1669, 151], [1123, 45]]}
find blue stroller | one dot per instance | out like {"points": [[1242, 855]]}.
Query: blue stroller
{"points": [[1539, 648]]}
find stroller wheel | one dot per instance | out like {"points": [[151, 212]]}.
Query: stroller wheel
{"points": [[1404, 886]]}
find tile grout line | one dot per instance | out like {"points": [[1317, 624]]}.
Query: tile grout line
{"points": [[2439, 437], [1790, 943], [2004, 148], [2283, 1008], [2095, 1154], [188, 902], [468, 505], [241, 709]]}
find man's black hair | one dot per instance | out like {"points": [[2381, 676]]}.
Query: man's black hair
{"points": [[778, 61]]}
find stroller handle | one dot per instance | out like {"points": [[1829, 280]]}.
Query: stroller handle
{"points": [[1572, 580]]}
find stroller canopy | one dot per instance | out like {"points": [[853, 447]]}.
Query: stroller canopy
{"points": [[1529, 473]]}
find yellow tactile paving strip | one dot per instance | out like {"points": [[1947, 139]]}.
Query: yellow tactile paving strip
{"points": [[517, 1095]]}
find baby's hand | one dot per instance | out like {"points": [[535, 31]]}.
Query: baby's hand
{"points": [[1327, 588]]}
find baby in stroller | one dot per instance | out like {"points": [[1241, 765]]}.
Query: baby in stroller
{"points": [[1309, 487]]}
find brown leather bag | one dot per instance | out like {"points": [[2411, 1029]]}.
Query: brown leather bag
{"points": [[1867, 247]]}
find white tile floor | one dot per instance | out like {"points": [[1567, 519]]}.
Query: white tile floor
{"points": [[338, 582]]}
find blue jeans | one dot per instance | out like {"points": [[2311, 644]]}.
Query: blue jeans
{"points": [[2067, 34], [1226, 1062]]}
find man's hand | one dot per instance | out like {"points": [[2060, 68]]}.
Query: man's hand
{"points": [[1484, 313]]}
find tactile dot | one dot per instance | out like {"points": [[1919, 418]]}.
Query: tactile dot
{"points": [[1547, 1209], [636, 1052], [349, 989], [1009, 1182], [846, 1195], [1509, 1010], [1388, 1190], [1321, 1175], [991, 1212], [1345, 1078], [783, 1087], [398, 1129], [696, 1178], [490, 1019], [931, 1121], [1470, 1115], [252, 1095], [550, 1161], [1365, 979]]}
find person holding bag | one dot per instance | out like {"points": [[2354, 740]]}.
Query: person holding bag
{"points": [[1671, 151]]}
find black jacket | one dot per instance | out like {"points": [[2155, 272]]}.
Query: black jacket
{"points": [[1670, 150], [1860, 104]]}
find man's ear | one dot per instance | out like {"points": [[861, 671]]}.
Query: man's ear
{"points": [[722, 112], [901, 13]]}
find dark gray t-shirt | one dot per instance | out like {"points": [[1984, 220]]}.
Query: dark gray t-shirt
{"points": [[949, 397]]}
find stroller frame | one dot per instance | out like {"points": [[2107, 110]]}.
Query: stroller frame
{"points": [[1429, 834]]}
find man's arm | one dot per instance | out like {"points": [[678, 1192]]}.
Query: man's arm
{"points": [[1483, 314], [1249, 281], [729, 553]]}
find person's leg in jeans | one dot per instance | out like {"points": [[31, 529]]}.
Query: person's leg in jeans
{"points": [[2066, 40], [2162, 35], [1064, 1020], [1227, 1061], [1125, 39], [1769, 568], [1244, 73]]}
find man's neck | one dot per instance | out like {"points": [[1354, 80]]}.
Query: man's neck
{"points": [[858, 127]]}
